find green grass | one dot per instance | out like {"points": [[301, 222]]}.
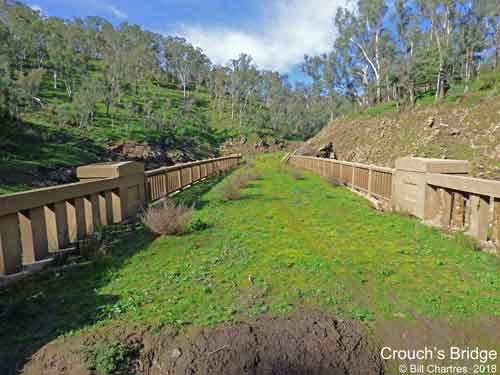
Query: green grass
{"points": [[40, 139], [287, 244]]}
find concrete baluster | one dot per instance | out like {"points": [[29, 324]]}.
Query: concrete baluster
{"points": [[56, 217], [458, 211], [445, 199], [106, 208], [496, 221], [33, 235], [10, 245], [479, 217], [370, 181]]}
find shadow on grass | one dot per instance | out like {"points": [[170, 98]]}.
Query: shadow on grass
{"points": [[23, 141], [42, 307], [32, 155]]}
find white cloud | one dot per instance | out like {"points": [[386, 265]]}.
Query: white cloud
{"points": [[291, 29], [37, 8], [116, 12]]}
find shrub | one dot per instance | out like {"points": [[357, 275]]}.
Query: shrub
{"points": [[240, 180], [105, 357], [170, 219], [198, 225], [230, 191], [254, 174], [296, 173], [333, 181]]}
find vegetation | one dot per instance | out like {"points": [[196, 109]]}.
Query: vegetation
{"points": [[170, 218], [90, 75], [289, 244], [230, 191], [394, 52], [296, 173], [465, 127], [70, 90], [105, 357]]}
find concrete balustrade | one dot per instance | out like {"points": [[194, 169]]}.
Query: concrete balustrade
{"points": [[440, 192], [36, 224], [164, 181], [371, 180]]}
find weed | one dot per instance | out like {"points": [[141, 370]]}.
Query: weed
{"points": [[170, 219], [296, 173], [240, 180], [105, 357], [198, 225], [254, 174], [333, 181], [230, 191]]}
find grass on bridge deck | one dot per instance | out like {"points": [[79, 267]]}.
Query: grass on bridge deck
{"points": [[287, 244]]}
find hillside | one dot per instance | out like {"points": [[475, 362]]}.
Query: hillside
{"points": [[85, 90], [43, 146], [464, 126]]}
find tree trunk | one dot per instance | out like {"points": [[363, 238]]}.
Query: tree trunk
{"points": [[55, 79], [411, 92], [241, 116], [331, 108], [69, 91], [232, 108], [442, 88], [438, 85], [497, 44]]}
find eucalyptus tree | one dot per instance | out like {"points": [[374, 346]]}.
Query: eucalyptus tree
{"points": [[183, 60], [492, 10], [86, 100], [363, 36]]}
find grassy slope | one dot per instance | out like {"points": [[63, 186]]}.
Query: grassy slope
{"points": [[465, 126], [38, 140], [287, 244]]}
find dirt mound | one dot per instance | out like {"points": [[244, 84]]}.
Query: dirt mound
{"points": [[311, 343]]}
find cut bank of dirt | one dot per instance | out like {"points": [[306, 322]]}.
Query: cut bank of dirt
{"points": [[450, 131], [306, 343]]}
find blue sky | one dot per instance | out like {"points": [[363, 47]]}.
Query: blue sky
{"points": [[277, 33]]}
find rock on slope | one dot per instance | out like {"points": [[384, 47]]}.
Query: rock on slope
{"points": [[451, 131]]}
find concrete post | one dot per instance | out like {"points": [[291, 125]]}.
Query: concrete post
{"points": [[126, 200], [410, 187]]}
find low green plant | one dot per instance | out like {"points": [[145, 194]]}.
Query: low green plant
{"points": [[198, 225], [105, 357]]}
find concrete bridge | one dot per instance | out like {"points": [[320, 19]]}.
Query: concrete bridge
{"points": [[37, 224]]}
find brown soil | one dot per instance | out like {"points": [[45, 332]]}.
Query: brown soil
{"points": [[458, 131], [307, 343]]}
